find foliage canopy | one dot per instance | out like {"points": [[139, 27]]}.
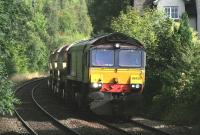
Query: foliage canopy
{"points": [[103, 11], [30, 31], [172, 62]]}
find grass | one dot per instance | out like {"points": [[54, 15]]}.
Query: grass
{"points": [[19, 78]]}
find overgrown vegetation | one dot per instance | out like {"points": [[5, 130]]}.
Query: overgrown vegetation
{"points": [[7, 98], [172, 91], [30, 30], [103, 11]]}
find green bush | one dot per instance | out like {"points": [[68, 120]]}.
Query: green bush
{"points": [[172, 75], [7, 98]]}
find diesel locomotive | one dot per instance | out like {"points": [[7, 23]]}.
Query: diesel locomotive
{"points": [[105, 74]]}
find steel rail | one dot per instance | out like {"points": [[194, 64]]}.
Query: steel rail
{"points": [[55, 121], [94, 117], [24, 123], [143, 126], [149, 128], [114, 127]]}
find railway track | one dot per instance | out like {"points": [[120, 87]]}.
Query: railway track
{"points": [[56, 121], [136, 128], [64, 115], [24, 123], [149, 127], [32, 118], [132, 127], [68, 121]]}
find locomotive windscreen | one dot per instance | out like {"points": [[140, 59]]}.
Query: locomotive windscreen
{"points": [[102, 57], [130, 58], [116, 58]]}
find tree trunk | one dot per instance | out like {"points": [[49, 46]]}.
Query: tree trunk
{"points": [[198, 16], [139, 4], [61, 4]]}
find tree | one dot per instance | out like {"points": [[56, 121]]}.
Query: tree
{"points": [[29, 31], [103, 11], [7, 98], [172, 62], [67, 21]]}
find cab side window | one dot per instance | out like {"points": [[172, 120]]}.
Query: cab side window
{"points": [[69, 64], [72, 64]]}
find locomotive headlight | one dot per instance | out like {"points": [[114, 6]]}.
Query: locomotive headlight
{"points": [[95, 85], [137, 86], [133, 86], [117, 45], [100, 85]]}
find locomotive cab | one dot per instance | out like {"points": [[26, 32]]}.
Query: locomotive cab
{"points": [[117, 69], [117, 74]]}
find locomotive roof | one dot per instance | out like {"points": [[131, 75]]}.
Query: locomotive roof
{"points": [[61, 49], [55, 54], [114, 37], [52, 55], [110, 38]]}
